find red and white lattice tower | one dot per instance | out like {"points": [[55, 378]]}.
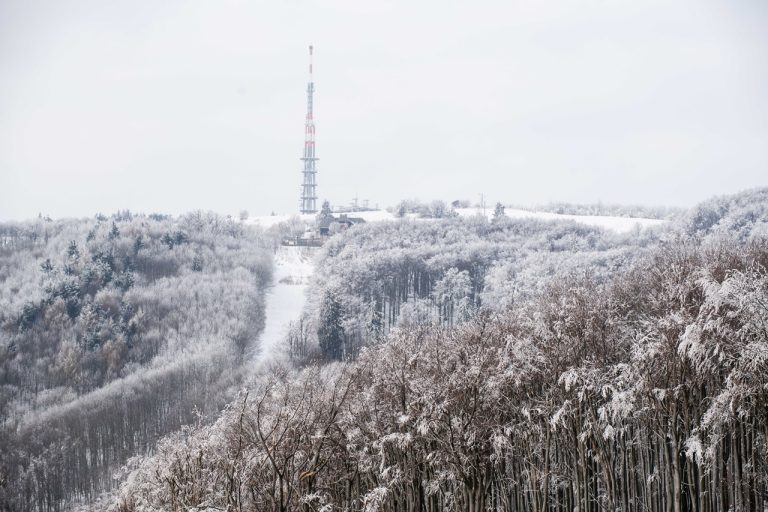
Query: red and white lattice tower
{"points": [[309, 184]]}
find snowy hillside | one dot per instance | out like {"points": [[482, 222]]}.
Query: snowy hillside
{"points": [[528, 332]]}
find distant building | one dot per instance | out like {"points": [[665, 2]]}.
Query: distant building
{"points": [[326, 227], [330, 225]]}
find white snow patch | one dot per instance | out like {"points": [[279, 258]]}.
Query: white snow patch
{"points": [[285, 300], [293, 265]]}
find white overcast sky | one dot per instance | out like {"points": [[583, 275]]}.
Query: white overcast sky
{"points": [[169, 106]]}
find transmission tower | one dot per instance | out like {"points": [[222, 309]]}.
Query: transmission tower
{"points": [[309, 184]]}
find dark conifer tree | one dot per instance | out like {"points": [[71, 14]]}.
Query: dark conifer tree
{"points": [[330, 332], [498, 212]]}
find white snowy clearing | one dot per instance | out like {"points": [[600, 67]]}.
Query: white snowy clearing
{"points": [[617, 224], [284, 301]]}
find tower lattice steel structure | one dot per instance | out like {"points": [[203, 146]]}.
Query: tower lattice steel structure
{"points": [[309, 184]]}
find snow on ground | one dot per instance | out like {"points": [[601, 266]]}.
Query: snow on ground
{"points": [[293, 265], [618, 224], [284, 301]]}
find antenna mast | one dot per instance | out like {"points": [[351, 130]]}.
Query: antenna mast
{"points": [[309, 184]]}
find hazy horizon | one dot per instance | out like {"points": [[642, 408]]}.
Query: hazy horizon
{"points": [[177, 106]]}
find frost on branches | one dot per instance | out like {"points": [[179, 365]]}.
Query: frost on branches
{"points": [[646, 391]]}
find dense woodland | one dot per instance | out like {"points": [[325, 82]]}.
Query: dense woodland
{"points": [[444, 364], [382, 275], [113, 333], [642, 386], [440, 209], [643, 389]]}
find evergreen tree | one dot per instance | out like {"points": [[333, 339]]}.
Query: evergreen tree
{"points": [[498, 212], [138, 244], [325, 211], [47, 266], [330, 333], [197, 264], [114, 232], [72, 251]]}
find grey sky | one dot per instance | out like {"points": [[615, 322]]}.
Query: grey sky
{"points": [[176, 105]]}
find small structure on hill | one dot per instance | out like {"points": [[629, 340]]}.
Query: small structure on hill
{"points": [[326, 225], [329, 225]]}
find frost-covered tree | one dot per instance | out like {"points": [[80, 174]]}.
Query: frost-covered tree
{"points": [[498, 212], [634, 386], [325, 212], [330, 332], [110, 337]]}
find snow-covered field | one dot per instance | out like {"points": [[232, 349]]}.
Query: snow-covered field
{"points": [[618, 224], [293, 267]]}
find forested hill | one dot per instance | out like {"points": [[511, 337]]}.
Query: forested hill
{"points": [[113, 333], [741, 217], [634, 380], [381, 275]]}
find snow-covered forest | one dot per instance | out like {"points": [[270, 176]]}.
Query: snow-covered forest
{"points": [[113, 333], [461, 363], [492, 256], [505, 365], [388, 274]]}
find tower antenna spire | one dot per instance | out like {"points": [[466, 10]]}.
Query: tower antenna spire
{"points": [[309, 183]]}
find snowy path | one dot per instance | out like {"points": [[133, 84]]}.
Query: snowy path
{"points": [[285, 300]]}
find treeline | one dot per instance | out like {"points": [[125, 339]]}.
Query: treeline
{"points": [[647, 391], [436, 209], [377, 276], [608, 210], [113, 333], [742, 217]]}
